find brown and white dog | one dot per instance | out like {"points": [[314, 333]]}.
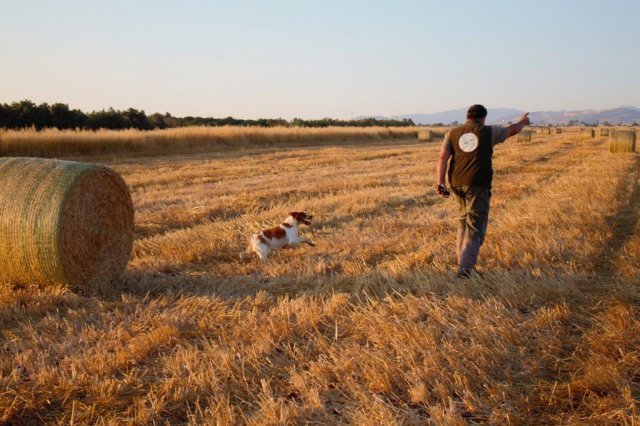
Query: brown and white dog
{"points": [[285, 234]]}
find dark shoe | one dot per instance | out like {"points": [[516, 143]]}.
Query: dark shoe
{"points": [[464, 273], [469, 273]]}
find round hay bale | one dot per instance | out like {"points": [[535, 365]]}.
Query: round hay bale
{"points": [[623, 141], [425, 135], [63, 222], [437, 134], [604, 132], [587, 133], [524, 136], [545, 131], [558, 130]]}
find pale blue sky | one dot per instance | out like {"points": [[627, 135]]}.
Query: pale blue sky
{"points": [[298, 58]]}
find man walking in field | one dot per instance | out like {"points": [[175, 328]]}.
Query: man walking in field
{"points": [[470, 148]]}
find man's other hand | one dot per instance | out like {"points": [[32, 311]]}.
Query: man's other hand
{"points": [[525, 119], [441, 190]]}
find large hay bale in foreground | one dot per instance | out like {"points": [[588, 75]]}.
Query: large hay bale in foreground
{"points": [[425, 135], [623, 141], [63, 222], [524, 136], [587, 133]]}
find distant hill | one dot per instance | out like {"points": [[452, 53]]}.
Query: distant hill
{"points": [[623, 114]]}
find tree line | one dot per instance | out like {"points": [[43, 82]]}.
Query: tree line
{"points": [[26, 114]]}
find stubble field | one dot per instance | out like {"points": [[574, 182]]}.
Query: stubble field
{"points": [[368, 327]]}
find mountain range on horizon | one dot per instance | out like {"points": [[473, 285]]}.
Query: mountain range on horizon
{"points": [[620, 115]]}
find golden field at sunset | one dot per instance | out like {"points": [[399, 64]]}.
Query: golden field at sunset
{"points": [[370, 326]]}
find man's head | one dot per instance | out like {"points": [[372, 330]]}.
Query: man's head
{"points": [[477, 112]]}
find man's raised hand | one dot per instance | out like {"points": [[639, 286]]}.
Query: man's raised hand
{"points": [[525, 119]]}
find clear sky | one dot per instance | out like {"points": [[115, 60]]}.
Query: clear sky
{"points": [[313, 59]]}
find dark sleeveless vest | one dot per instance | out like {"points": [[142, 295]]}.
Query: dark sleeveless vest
{"points": [[470, 163]]}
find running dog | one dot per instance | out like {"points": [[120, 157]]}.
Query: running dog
{"points": [[285, 234]]}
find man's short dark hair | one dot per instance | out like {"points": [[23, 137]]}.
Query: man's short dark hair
{"points": [[476, 112]]}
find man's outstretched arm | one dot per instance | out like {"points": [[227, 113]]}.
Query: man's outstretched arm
{"points": [[516, 128]]}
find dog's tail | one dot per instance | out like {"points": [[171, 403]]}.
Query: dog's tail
{"points": [[249, 250], [245, 254]]}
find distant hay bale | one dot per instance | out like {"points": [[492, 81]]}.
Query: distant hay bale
{"points": [[558, 130], [524, 136], [604, 132], [425, 135], [544, 131], [587, 133], [623, 141], [63, 222]]}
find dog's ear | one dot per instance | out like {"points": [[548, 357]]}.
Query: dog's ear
{"points": [[295, 215]]}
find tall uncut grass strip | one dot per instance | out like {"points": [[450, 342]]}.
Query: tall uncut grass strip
{"points": [[53, 143]]}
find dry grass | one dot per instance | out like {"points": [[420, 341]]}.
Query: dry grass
{"points": [[369, 327]]}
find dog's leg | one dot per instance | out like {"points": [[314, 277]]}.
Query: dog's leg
{"points": [[262, 251]]}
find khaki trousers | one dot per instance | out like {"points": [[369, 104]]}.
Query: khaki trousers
{"points": [[473, 203]]}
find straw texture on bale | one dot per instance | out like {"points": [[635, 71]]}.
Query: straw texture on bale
{"points": [[63, 222], [586, 133], [604, 132], [524, 136], [623, 141], [425, 135]]}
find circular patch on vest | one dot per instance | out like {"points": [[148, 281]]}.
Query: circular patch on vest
{"points": [[468, 142]]}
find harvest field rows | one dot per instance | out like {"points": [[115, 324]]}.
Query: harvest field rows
{"points": [[368, 327]]}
